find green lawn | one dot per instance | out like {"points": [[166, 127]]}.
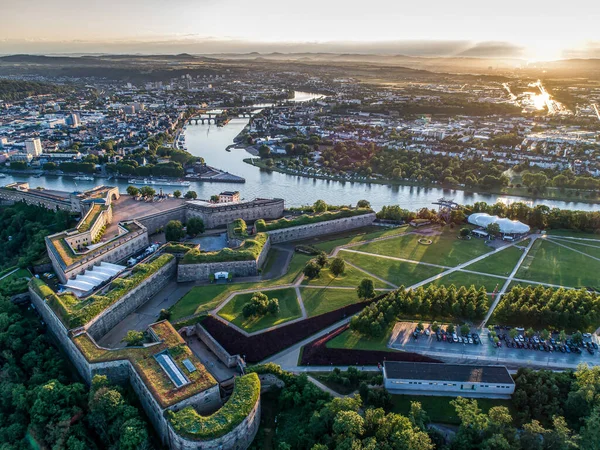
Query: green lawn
{"points": [[439, 409], [446, 249], [468, 279], [356, 341], [352, 237], [551, 263], [587, 247], [297, 263], [575, 234], [201, 299], [289, 309], [396, 272], [351, 277], [321, 301], [502, 263]]}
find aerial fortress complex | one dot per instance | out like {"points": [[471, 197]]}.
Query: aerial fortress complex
{"points": [[188, 408]]}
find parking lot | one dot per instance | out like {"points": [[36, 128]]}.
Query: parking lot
{"points": [[403, 338]]}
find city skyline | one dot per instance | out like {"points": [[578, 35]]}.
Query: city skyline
{"points": [[527, 30]]}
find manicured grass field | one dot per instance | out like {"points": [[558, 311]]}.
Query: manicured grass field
{"points": [[352, 237], [356, 341], [201, 299], [467, 279], [575, 234], [396, 272], [289, 309], [321, 301], [351, 277], [502, 263], [439, 409], [587, 247], [551, 263], [446, 249]]}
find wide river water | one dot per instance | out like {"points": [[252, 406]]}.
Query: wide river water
{"points": [[210, 141]]}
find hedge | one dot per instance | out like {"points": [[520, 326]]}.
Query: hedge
{"points": [[305, 219], [172, 247], [76, 313], [189, 423], [249, 251]]}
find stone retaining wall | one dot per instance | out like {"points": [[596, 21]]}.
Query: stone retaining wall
{"points": [[213, 345], [202, 271], [111, 316], [320, 228]]}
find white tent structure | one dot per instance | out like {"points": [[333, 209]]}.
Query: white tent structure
{"points": [[507, 226], [86, 282]]}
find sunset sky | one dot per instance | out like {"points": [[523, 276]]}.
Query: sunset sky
{"points": [[526, 28]]}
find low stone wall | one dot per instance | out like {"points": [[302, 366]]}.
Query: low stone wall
{"points": [[239, 438], [320, 228], [111, 316], [202, 272]]}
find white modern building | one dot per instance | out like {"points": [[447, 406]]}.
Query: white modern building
{"points": [[33, 147], [507, 226], [439, 379]]}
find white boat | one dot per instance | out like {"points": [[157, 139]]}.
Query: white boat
{"points": [[84, 178], [159, 182]]}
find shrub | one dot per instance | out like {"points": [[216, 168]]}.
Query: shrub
{"points": [[306, 219]]}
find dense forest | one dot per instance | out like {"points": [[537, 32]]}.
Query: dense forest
{"points": [[419, 167], [40, 401], [552, 411], [22, 232], [14, 90]]}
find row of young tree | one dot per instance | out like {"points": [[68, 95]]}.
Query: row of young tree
{"points": [[548, 307], [431, 302]]}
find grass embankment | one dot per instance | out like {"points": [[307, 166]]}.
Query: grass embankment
{"points": [[289, 309], [249, 251], [321, 301]]}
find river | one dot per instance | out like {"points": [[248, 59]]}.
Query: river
{"points": [[210, 141]]}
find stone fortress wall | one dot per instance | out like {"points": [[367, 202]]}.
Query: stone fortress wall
{"points": [[221, 214], [111, 316], [122, 371], [202, 271], [320, 228]]}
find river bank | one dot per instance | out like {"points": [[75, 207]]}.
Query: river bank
{"points": [[554, 194]]}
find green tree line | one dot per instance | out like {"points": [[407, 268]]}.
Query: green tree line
{"points": [[431, 302]]}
